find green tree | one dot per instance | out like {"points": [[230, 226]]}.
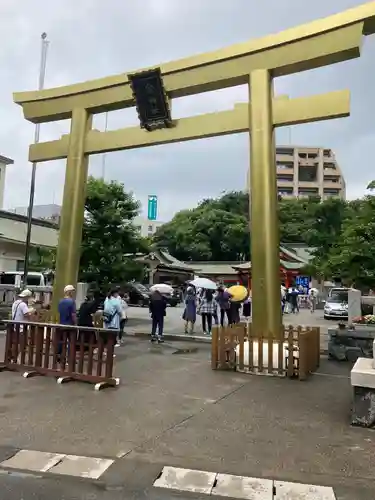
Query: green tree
{"points": [[42, 259], [352, 257], [324, 230], [206, 233], [109, 236], [295, 217]]}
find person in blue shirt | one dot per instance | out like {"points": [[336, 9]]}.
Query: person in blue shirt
{"points": [[68, 316], [112, 313], [67, 307]]}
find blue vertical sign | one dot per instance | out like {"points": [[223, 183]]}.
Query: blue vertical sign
{"points": [[152, 207]]}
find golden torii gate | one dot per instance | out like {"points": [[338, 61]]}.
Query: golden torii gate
{"points": [[255, 63]]}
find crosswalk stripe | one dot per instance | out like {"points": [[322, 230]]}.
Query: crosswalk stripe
{"points": [[56, 463], [240, 487]]}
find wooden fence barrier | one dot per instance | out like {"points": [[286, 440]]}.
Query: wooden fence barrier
{"points": [[64, 352], [297, 354]]}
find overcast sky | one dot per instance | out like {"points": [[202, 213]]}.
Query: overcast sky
{"points": [[91, 39]]}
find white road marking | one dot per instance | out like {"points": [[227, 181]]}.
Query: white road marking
{"points": [[195, 481], [56, 463], [297, 491], [87, 467], [36, 461], [243, 487]]}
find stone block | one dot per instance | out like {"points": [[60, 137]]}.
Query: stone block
{"points": [[243, 487], [86, 467], [36, 461], [354, 304], [363, 408], [295, 491], [195, 481], [363, 373]]}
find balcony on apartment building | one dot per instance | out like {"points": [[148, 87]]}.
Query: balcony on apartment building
{"points": [[284, 158], [284, 168], [285, 192], [332, 184], [286, 151], [330, 169], [331, 193], [304, 192], [328, 155], [308, 173]]}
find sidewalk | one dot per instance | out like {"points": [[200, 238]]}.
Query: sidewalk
{"points": [[172, 410]]}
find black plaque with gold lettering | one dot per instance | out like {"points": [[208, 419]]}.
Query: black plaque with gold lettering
{"points": [[151, 101]]}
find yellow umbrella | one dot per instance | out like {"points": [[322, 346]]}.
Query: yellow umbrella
{"points": [[238, 293]]}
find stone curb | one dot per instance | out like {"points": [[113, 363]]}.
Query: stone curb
{"points": [[188, 338]]}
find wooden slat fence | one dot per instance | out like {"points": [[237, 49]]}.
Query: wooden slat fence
{"points": [[60, 351], [297, 354]]}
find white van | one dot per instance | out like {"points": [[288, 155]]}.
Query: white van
{"points": [[15, 278]]}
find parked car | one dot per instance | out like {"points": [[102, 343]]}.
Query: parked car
{"points": [[139, 295], [336, 306], [173, 299]]}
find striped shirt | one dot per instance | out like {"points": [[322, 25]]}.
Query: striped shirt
{"points": [[206, 307]]}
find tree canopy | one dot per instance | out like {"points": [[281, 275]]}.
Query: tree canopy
{"points": [[341, 234], [352, 256], [109, 236], [216, 230]]}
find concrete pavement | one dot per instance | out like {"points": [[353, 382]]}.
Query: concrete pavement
{"points": [[172, 410]]}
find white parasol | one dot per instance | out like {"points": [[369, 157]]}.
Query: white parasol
{"points": [[162, 288], [204, 283]]}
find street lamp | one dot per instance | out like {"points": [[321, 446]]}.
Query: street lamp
{"points": [[42, 74]]}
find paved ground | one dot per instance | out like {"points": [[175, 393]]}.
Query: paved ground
{"points": [[171, 409], [139, 322]]}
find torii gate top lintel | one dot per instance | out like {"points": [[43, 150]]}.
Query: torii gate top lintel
{"points": [[339, 36]]}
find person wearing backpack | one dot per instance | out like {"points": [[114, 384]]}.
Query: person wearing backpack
{"points": [[112, 312]]}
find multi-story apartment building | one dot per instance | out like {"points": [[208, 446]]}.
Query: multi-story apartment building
{"points": [[307, 171]]}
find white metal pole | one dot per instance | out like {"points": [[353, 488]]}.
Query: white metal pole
{"points": [[42, 74]]}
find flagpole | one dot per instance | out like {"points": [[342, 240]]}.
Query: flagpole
{"points": [[42, 74]]}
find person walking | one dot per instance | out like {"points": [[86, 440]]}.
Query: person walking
{"points": [[158, 311], [207, 308], [85, 319], [190, 311], [223, 299], [246, 309], [293, 297], [124, 316], [112, 314], [312, 301]]}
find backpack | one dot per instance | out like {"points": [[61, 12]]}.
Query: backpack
{"points": [[109, 312]]}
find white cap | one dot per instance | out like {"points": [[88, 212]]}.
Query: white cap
{"points": [[25, 293], [69, 288]]}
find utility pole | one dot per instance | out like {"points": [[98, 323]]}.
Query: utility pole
{"points": [[42, 73]]}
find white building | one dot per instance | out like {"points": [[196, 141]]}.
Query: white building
{"points": [[48, 212], [4, 161], [146, 227], [13, 228]]}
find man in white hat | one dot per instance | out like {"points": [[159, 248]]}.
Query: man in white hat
{"points": [[20, 308], [67, 307]]}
